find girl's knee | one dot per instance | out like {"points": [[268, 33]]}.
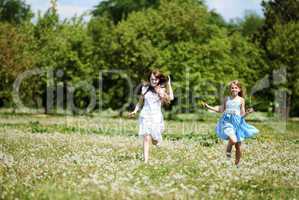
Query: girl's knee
{"points": [[230, 132], [147, 138], [233, 140]]}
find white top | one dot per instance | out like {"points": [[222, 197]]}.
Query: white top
{"points": [[152, 102], [233, 106]]}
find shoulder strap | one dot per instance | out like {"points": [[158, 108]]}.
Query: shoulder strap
{"points": [[148, 88]]}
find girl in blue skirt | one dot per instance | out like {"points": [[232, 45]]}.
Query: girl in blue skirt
{"points": [[232, 125]]}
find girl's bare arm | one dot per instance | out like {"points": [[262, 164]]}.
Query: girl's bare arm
{"points": [[164, 96], [220, 109], [170, 91], [138, 106], [242, 110]]}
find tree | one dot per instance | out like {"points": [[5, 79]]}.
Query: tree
{"points": [[217, 19], [179, 38], [15, 57], [278, 37], [283, 48], [64, 49], [251, 24], [14, 11], [248, 26], [277, 12], [118, 10]]}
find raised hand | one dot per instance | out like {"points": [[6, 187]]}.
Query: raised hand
{"points": [[250, 110], [205, 105], [132, 114], [160, 91]]}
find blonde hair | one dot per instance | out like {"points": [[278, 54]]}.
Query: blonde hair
{"points": [[242, 92]]}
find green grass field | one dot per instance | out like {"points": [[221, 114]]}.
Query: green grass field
{"points": [[100, 157]]}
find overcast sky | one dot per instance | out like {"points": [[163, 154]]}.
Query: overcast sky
{"points": [[229, 9]]}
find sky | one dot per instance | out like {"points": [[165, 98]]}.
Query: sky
{"points": [[229, 9]]}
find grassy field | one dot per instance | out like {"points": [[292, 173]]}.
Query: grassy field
{"points": [[100, 157]]}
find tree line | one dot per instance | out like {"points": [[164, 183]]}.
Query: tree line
{"points": [[125, 38]]}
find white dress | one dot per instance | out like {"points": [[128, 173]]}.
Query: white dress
{"points": [[151, 118]]}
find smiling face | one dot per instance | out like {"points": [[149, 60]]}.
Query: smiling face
{"points": [[154, 80], [234, 89]]}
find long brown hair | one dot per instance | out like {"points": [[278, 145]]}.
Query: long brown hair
{"points": [[162, 78], [162, 82], [242, 92]]}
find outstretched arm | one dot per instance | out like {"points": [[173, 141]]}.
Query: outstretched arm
{"points": [[170, 91], [242, 109], [220, 109], [137, 107]]}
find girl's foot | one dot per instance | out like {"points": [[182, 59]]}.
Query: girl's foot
{"points": [[158, 144], [228, 158]]}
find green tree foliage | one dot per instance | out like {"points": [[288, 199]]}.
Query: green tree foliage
{"points": [[283, 48], [64, 49], [279, 38], [118, 10], [14, 11], [15, 57], [277, 12], [251, 24], [280, 11], [179, 38], [217, 19], [15, 53], [125, 39]]}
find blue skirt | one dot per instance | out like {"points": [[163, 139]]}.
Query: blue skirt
{"points": [[238, 124]]}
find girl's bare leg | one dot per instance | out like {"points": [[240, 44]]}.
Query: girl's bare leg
{"points": [[232, 139], [238, 152], [229, 149], [146, 144]]}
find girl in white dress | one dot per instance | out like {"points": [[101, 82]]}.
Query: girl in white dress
{"points": [[153, 95]]}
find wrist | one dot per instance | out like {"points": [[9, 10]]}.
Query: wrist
{"points": [[136, 109]]}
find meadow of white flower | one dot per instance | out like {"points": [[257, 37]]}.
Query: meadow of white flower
{"points": [[55, 157]]}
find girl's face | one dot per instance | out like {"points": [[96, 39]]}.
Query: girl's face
{"points": [[154, 80], [234, 90]]}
